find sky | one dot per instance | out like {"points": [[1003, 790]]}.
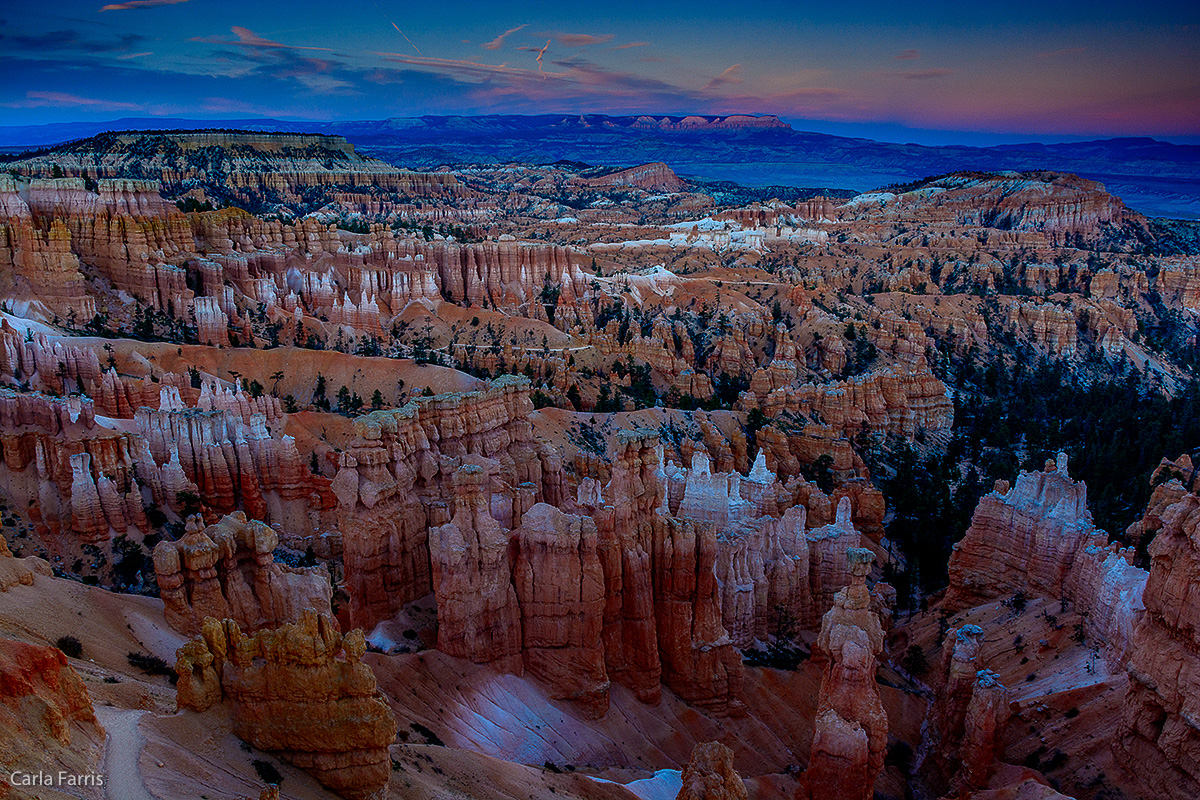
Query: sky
{"points": [[935, 72]]}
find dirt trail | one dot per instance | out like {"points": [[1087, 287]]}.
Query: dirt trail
{"points": [[121, 777]]}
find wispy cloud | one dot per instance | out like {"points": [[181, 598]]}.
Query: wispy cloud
{"points": [[908, 55], [631, 44], [250, 39], [132, 5], [498, 42], [128, 56], [731, 74], [255, 57], [67, 100], [581, 39], [920, 74], [72, 40], [1070, 51]]}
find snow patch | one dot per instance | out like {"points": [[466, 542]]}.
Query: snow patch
{"points": [[665, 785]]}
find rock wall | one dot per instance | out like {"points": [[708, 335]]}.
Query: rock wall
{"points": [[395, 482], [560, 587], [663, 606], [228, 571], [653, 578], [224, 453], [47, 718], [478, 614], [896, 400], [1038, 538], [38, 265], [81, 482], [300, 691], [1158, 737]]}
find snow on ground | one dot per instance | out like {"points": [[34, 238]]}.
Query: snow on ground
{"points": [[870, 197], [705, 224], [665, 785], [24, 325]]}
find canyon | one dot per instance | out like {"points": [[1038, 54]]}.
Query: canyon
{"points": [[515, 480]]}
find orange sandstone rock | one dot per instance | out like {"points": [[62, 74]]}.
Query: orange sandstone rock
{"points": [[300, 691], [850, 738], [228, 570], [709, 775]]}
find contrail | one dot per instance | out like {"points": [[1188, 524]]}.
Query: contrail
{"points": [[541, 53], [405, 35], [397, 27]]}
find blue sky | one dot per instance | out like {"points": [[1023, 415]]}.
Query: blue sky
{"points": [[990, 70]]}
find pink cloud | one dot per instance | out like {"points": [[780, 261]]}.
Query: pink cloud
{"points": [[920, 74], [66, 100], [909, 55], [498, 42], [729, 75], [581, 39], [248, 38], [136, 4]]}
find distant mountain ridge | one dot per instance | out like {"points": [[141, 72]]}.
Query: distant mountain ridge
{"points": [[1158, 178]]}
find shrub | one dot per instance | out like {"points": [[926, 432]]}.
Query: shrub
{"points": [[151, 665], [1018, 602], [70, 646], [267, 771], [914, 660], [430, 737]]}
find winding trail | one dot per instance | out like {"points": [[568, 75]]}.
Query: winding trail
{"points": [[124, 744]]}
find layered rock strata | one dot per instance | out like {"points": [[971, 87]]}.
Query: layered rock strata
{"points": [[228, 571], [300, 691], [395, 482], [1160, 722], [850, 738], [1038, 539]]}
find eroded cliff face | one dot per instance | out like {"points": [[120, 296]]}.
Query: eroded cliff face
{"points": [[1038, 538], [46, 714], [299, 691], [228, 571], [896, 400], [39, 264], [1159, 722], [654, 577], [396, 481], [478, 614], [1049, 207], [250, 166], [560, 587], [77, 478]]}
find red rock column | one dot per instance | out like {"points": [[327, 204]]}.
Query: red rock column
{"points": [[850, 738]]}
